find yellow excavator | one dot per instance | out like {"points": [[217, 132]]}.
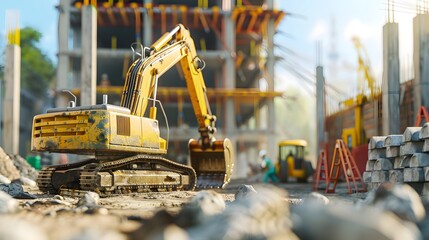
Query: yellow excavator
{"points": [[125, 143]]}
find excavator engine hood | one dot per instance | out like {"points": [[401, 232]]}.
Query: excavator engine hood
{"points": [[212, 165]]}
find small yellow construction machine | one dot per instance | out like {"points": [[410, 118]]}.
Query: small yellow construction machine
{"points": [[125, 144], [291, 162]]}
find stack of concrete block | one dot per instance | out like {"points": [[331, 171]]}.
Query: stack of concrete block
{"points": [[400, 159]]}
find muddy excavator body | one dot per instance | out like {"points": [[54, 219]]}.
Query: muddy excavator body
{"points": [[124, 147]]}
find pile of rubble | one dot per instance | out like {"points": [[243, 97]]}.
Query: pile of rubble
{"points": [[400, 158], [14, 167], [390, 212]]}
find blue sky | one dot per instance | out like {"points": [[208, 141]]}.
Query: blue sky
{"points": [[40, 14], [308, 23], [313, 23]]}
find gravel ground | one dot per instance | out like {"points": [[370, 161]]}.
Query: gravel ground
{"points": [[119, 217]]}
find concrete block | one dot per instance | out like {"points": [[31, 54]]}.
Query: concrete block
{"points": [[426, 172], [383, 164], [414, 175], [409, 148], [411, 134], [370, 165], [405, 163], [392, 151], [379, 176], [396, 176], [376, 153], [424, 133], [426, 145], [393, 140], [376, 142], [397, 162], [419, 160], [366, 177]]}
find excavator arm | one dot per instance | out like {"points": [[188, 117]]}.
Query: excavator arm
{"points": [[142, 79], [211, 159]]}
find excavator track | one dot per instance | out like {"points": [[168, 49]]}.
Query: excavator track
{"points": [[139, 173]]}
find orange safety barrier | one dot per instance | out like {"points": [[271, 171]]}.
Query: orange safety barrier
{"points": [[343, 160]]}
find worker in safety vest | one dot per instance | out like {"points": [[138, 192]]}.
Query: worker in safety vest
{"points": [[269, 167]]}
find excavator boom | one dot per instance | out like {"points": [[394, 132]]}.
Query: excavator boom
{"points": [[210, 158]]}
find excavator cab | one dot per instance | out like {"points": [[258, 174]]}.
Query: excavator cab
{"points": [[291, 162]]}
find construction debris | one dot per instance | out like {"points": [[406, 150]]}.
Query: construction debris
{"points": [[7, 167], [15, 190], [25, 169], [89, 199], [14, 167]]}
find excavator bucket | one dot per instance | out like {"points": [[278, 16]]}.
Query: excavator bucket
{"points": [[213, 165]]}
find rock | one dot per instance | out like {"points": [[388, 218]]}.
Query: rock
{"points": [[93, 233], [27, 181], [171, 232], [7, 203], [15, 190], [401, 200], [316, 198], [154, 226], [244, 191], [203, 205], [343, 221], [18, 229], [4, 179], [92, 210], [89, 199], [259, 216], [58, 197]]}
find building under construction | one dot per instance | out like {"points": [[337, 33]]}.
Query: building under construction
{"points": [[234, 38], [399, 104]]}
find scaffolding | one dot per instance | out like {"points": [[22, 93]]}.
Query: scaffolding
{"points": [[228, 35]]}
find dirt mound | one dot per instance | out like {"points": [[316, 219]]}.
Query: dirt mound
{"points": [[7, 167], [25, 169], [15, 166]]}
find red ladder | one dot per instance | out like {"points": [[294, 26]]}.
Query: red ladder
{"points": [[346, 162], [321, 170]]}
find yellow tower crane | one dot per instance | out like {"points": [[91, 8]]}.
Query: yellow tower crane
{"points": [[355, 136]]}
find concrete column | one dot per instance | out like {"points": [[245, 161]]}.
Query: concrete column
{"points": [[147, 26], [390, 85], [12, 99], [89, 56], [269, 76], [63, 47], [320, 108], [421, 61], [229, 75]]}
